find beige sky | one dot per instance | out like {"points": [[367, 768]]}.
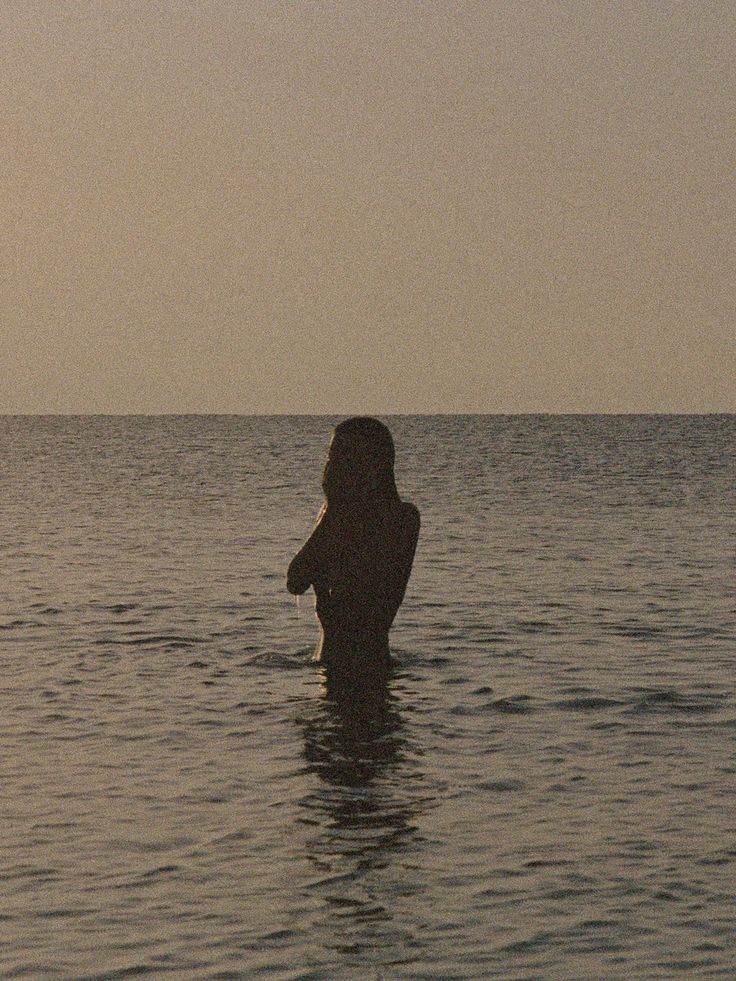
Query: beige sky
{"points": [[375, 206]]}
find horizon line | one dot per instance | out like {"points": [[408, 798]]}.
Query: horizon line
{"points": [[330, 415]]}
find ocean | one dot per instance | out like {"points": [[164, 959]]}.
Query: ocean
{"points": [[547, 790]]}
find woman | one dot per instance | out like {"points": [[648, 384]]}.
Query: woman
{"points": [[359, 556]]}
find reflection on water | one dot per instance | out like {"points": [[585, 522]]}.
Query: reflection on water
{"points": [[363, 811]]}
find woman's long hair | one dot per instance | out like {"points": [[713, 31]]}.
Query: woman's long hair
{"points": [[359, 475]]}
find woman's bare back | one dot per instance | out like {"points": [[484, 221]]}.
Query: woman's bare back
{"points": [[363, 577]]}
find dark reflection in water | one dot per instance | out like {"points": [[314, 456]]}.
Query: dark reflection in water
{"points": [[363, 811]]}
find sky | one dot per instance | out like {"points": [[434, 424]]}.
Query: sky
{"points": [[369, 206]]}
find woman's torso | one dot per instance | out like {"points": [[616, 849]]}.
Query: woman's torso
{"points": [[365, 566]]}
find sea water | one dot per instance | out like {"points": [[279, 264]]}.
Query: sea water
{"points": [[547, 790]]}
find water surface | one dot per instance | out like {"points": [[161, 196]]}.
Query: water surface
{"points": [[545, 790]]}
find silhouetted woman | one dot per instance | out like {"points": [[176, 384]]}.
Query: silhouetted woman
{"points": [[360, 554]]}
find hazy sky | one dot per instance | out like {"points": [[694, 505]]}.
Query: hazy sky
{"points": [[367, 206]]}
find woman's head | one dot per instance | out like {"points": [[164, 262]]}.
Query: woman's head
{"points": [[360, 464]]}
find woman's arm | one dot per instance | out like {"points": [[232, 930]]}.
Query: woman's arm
{"points": [[304, 567]]}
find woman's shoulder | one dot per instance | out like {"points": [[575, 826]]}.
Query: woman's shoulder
{"points": [[409, 514]]}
